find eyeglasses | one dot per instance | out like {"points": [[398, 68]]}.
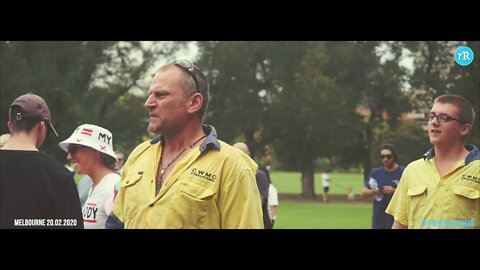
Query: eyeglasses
{"points": [[188, 66], [386, 156], [442, 118], [73, 148]]}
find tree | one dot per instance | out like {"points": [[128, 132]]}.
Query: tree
{"points": [[58, 71], [410, 141], [373, 87], [83, 82], [305, 107], [437, 73], [238, 76]]}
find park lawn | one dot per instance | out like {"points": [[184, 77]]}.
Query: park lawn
{"points": [[290, 182], [315, 215]]}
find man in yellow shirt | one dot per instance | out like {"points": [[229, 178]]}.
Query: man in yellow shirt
{"points": [[442, 189], [185, 177]]}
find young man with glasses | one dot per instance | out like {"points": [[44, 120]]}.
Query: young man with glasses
{"points": [[36, 190], [442, 189], [381, 184], [90, 149], [185, 177]]}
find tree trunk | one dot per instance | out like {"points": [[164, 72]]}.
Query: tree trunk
{"points": [[367, 160], [308, 187]]}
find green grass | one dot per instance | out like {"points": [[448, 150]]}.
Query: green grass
{"points": [[314, 215], [290, 182]]}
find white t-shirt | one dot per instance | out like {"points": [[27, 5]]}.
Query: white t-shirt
{"points": [[272, 200], [325, 180], [94, 213]]}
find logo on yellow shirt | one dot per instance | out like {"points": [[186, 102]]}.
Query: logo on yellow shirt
{"points": [[203, 174], [471, 178]]}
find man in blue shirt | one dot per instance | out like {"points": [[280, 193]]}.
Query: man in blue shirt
{"points": [[381, 184]]}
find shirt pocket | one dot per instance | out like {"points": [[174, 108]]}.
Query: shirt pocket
{"points": [[194, 204], [196, 191], [131, 193], [417, 195], [466, 203]]}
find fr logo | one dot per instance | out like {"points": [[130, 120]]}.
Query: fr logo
{"points": [[464, 56]]}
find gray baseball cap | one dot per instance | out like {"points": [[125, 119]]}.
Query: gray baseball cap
{"points": [[33, 107]]}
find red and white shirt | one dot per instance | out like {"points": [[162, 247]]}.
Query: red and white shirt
{"points": [[95, 213]]}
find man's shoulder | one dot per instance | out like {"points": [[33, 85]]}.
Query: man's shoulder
{"points": [[227, 150], [234, 156], [142, 147], [262, 175], [41, 162], [55, 167], [34, 159], [416, 164]]}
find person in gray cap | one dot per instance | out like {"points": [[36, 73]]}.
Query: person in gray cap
{"points": [[36, 190]]}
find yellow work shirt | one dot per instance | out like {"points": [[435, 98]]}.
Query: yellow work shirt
{"points": [[423, 199], [212, 187]]}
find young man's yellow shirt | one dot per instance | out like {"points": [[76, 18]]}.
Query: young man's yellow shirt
{"points": [[423, 199]]}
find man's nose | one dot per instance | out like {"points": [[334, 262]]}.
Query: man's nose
{"points": [[149, 102]]}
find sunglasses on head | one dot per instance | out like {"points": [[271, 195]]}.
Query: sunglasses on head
{"points": [[389, 156], [73, 148], [188, 66]]}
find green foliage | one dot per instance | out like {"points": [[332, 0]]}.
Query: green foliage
{"points": [[60, 72], [373, 85], [322, 164], [83, 82], [237, 72], [301, 97], [410, 141], [299, 106], [437, 73]]}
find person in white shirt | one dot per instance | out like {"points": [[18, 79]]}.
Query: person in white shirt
{"points": [[272, 203], [326, 185], [90, 149]]}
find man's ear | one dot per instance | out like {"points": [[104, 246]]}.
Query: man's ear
{"points": [[42, 126], [465, 129], [195, 103]]}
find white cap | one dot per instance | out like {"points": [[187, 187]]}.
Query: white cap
{"points": [[92, 136]]}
